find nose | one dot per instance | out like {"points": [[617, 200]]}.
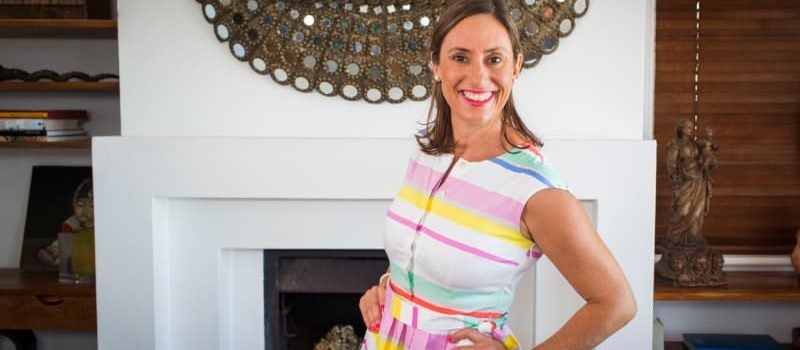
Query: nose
{"points": [[479, 73]]}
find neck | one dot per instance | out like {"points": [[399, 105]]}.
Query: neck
{"points": [[483, 141]]}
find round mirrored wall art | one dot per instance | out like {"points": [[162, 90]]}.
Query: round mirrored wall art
{"points": [[375, 51]]}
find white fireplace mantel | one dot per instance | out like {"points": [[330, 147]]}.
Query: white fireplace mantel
{"points": [[180, 222]]}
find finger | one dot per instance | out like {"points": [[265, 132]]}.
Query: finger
{"points": [[382, 296], [466, 333]]}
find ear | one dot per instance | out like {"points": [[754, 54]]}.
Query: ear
{"points": [[434, 67], [518, 66]]}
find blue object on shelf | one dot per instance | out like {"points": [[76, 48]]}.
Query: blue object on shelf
{"points": [[703, 341]]}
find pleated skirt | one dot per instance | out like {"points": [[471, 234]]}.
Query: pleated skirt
{"points": [[397, 334]]}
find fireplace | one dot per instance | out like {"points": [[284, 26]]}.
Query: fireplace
{"points": [[307, 292], [182, 224]]}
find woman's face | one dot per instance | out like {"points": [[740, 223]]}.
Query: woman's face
{"points": [[477, 69]]}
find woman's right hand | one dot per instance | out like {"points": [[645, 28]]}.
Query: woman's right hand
{"points": [[371, 305]]}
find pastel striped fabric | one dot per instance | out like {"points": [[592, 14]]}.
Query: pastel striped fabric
{"points": [[456, 254]]}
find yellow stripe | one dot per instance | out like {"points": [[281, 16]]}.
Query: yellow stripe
{"points": [[465, 218], [396, 306], [511, 342], [388, 345], [382, 344]]}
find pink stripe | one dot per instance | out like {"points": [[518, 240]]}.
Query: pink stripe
{"points": [[419, 340], [448, 241], [534, 253], [501, 333], [536, 152], [466, 194], [414, 316]]}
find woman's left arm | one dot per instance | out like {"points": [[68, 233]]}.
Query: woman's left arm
{"points": [[559, 226]]}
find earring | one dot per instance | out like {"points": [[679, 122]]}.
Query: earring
{"points": [[436, 78]]}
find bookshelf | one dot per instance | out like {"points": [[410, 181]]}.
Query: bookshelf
{"points": [[742, 286], [112, 86], [58, 28], [76, 144]]}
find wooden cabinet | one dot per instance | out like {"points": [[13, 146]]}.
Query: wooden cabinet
{"points": [[36, 300]]}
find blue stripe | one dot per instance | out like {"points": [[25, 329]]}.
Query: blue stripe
{"points": [[517, 169]]}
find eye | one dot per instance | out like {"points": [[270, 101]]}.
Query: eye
{"points": [[495, 60], [459, 58]]}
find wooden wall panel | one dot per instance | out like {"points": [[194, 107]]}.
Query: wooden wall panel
{"points": [[750, 96]]}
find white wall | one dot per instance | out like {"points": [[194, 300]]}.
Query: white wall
{"points": [[179, 80]]}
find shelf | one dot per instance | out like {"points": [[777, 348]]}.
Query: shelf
{"points": [[59, 86], [14, 282], [76, 144], [678, 345], [742, 286], [58, 28]]}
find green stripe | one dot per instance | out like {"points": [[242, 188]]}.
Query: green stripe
{"points": [[450, 298], [472, 322], [529, 160]]}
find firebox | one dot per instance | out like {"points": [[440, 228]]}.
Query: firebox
{"points": [[308, 292]]}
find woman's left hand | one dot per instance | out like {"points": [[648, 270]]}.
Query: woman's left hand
{"points": [[479, 340]]}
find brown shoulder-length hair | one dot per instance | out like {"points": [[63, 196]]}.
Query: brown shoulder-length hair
{"points": [[437, 137]]}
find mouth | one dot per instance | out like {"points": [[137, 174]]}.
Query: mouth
{"points": [[477, 98]]}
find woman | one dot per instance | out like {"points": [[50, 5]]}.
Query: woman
{"points": [[479, 204]]}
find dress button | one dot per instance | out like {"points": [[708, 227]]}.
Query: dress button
{"points": [[486, 327]]}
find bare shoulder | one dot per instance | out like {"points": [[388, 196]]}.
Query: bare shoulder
{"points": [[551, 210]]}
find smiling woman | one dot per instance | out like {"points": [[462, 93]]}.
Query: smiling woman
{"points": [[475, 60], [479, 205]]}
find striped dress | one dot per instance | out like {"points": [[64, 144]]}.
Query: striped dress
{"points": [[455, 249]]}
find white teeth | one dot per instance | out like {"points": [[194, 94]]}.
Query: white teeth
{"points": [[478, 97]]}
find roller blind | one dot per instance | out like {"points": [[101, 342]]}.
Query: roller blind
{"points": [[750, 95]]}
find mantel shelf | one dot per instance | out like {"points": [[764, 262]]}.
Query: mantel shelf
{"points": [[76, 144], [742, 286], [58, 28], [59, 86]]}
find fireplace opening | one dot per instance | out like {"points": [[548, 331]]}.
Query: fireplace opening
{"points": [[308, 292], [309, 317]]}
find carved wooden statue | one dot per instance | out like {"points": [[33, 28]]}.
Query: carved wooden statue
{"points": [[687, 260]]}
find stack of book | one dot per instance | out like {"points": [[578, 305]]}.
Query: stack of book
{"points": [[42, 125]]}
